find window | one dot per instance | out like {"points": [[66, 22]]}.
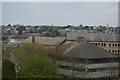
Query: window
{"points": [[64, 67], [113, 45], [113, 51], [101, 44], [96, 44], [109, 44], [102, 69], [109, 50], [104, 44]]}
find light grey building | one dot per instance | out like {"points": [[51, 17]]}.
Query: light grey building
{"points": [[86, 61]]}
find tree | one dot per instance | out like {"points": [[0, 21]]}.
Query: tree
{"points": [[8, 69], [34, 62], [54, 33], [38, 67], [82, 27]]}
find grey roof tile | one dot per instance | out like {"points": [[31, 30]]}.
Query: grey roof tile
{"points": [[84, 50], [47, 40], [94, 36]]}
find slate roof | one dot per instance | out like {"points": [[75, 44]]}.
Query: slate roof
{"points": [[94, 36], [84, 50], [50, 41], [24, 36], [19, 37]]}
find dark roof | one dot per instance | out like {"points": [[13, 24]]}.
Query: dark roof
{"points": [[94, 36], [50, 41], [19, 37], [24, 36], [84, 50]]}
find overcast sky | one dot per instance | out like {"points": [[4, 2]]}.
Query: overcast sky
{"points": [[60, 13]]}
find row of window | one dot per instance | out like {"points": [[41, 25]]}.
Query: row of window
{"points": [[104, 44], [102, 69], [99, 44], [114, 51], [114, 45], [87, 70]]}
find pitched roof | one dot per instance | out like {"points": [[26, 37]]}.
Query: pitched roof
{"points": [[50, 41], [93, 36], [84, 50], [24, 36]]}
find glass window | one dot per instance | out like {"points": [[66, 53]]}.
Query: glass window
{"points": [[109, 44], [113, 45], [101, 44], [112, 50], [109, 50], [104, 44], [96, 44], [116, 45]]}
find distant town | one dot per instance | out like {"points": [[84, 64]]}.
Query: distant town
{"points": [[11, 31], [81, 52]]}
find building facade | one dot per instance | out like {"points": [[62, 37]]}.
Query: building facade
{"points": [[86, 61], [109, 42]]}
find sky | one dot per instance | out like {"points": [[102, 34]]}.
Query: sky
{"points": [[60, 13]]}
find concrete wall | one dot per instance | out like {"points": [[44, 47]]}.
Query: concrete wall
{"points": [[97, 74]]}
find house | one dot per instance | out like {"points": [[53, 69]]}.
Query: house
{"points": [[46, 41], [109, 42], [18, 39], [85, 61]]}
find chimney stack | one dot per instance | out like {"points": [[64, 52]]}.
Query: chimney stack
{"points": [[33, 39]]}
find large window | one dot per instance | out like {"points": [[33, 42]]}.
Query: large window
{"points": [[102, 69], [88, 70]]}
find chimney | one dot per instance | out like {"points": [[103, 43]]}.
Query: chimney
{"points": [[79, 39], [33, 39]]}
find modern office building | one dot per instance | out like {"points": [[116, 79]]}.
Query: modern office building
{"points": [[85, 61]]}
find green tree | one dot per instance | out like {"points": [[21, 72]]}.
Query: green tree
{"points": [[34, 62], [38, 67], [8, 69], [54, 33], [82, 27]]}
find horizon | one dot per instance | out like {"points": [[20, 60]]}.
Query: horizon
{"points": [[60, 13]]}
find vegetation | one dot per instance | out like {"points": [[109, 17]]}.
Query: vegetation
{"points": [[54, 33], [8, 69], [34, 62]]}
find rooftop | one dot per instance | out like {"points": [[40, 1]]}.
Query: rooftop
{"points": [[93, 36], [84, 50], [50, 41]]}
